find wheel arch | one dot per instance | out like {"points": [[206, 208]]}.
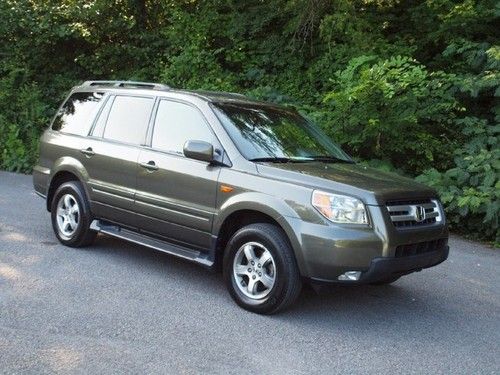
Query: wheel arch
{"points": [[65, 169], [244, 213]]}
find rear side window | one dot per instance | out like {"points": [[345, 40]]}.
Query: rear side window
{"points": [[128, 119], [77, 113], [177, 123]]}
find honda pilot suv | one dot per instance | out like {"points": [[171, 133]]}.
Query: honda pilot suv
{"points": [[249, 187]]}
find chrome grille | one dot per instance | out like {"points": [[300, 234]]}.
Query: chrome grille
{"points": [[412, 213]]}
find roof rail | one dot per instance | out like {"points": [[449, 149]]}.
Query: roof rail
{"points": [[128, 84]]}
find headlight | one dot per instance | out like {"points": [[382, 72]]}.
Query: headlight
{"points": [[340, 208]]}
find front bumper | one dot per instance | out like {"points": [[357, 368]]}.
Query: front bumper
{"points": [[383, 268], [325, 251]]}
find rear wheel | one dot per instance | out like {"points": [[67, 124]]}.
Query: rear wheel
{"points": [[71, 217], [260, 270]]}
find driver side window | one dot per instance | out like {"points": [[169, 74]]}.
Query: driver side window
{"points": [[176, 123]]}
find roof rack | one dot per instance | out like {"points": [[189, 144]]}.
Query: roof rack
{"points": [[128, 84]]}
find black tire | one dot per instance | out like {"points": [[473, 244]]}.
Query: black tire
{"points": [[82, 235], [387, 281], [287, 284]]}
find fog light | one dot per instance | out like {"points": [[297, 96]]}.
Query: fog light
{"points": [[350, 276]]}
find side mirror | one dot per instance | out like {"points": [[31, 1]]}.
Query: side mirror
{"points": [[199, 150]]}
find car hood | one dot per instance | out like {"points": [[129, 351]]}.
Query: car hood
{"points": [[372, 185]]}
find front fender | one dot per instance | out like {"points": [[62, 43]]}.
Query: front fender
{"points": [[271, 206], [253, 201]]}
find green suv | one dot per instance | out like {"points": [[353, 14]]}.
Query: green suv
{"points": [[232, 183]]}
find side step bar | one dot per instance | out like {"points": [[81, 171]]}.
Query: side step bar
{"points": [[153, 243]]}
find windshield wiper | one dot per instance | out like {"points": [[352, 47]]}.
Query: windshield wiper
{"points": [[330, 159], [320, 158], [272, 159]]}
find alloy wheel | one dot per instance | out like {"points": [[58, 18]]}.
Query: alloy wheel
{"points": [[68, 215], [254, 270]]}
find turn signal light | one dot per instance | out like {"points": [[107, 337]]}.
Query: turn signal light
{"points": [[226, 189]]}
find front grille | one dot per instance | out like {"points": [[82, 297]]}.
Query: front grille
{"points": [[413, 213], [420, 247]]}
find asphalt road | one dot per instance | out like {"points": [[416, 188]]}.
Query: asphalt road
{"points": [[120, 308]]}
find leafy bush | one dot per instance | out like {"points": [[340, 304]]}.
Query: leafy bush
{"points": [[23, 117], [394, 110], [471, 190], [16, 156]]}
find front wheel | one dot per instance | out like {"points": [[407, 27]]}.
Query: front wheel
{"points": [[260, 270]]}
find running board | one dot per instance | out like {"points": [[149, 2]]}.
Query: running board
{"points": [[153, 243]]}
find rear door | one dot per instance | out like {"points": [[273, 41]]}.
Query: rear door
{"points": [[111, 155], [175, 195]]}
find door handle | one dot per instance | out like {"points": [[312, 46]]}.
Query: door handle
{"points": [[150, 166], [88, 152]]}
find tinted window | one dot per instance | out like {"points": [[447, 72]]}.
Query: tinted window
{"points": [[77, 113], [177, 123], [128, 119]]}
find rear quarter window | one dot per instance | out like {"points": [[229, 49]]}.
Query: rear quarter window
{"points": [[77, 113]]}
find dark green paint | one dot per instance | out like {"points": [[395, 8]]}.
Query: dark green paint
{"points": [[179, 200]]}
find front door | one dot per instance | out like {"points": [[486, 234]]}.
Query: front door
{"points": [[175, 195]]}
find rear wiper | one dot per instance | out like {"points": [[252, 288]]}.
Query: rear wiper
{"points": [[330, 159]]}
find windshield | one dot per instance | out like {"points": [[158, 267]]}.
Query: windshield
{"points": [[265, 133]]}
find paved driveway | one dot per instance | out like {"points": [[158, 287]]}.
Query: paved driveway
{"points": [[117, 307]]}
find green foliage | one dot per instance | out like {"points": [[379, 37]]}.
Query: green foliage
{"points": [[22, 119], [394, 110], [411, 86], [470, 191]]}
